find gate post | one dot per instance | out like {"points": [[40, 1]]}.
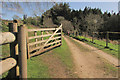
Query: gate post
{"points": [[22, 51], [14, 72]]}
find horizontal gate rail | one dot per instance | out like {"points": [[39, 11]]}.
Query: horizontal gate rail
{"points": [[33, 37], [38, 52], [42, 29], [38, 42], [7, 37], [55, 38], [7, 64], [32, 49], [39, 36]]}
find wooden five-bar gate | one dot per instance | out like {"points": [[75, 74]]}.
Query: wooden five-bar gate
{"points": [[43, 39], [25, 43]]}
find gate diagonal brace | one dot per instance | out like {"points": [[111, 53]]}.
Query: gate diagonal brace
{"points": [[51, 37]]}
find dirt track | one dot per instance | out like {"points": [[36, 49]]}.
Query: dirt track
{"points": [[91, 62]]}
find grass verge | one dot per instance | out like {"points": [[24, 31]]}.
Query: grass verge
{"points": [[112, 50], [64, 54]]}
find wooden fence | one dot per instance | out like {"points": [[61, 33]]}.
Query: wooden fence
{"points": [[107, 36], [22, 45], [17, 63]]}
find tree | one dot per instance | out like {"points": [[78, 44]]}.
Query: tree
{"points": [[93, 22], [85, 11], [24, 18], [112, 24]]}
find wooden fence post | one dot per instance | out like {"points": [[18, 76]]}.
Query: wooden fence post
{"points": [[14, 72], [107, 39], [92, 37], [22, 51], [84, 35]]}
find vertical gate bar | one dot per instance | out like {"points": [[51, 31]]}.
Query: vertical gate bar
{"points": [[61, 35], [35, 34], [42, 34], [41, 37]]}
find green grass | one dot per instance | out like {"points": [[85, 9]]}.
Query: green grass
{"points": [[100, 44], [110, 69], [36, 68], [5, 50], [64, 54]]}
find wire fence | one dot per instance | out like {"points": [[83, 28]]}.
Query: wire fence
{"points": [[105, 37]]}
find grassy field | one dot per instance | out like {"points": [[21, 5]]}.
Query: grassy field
{"points": [[113, 48]]}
